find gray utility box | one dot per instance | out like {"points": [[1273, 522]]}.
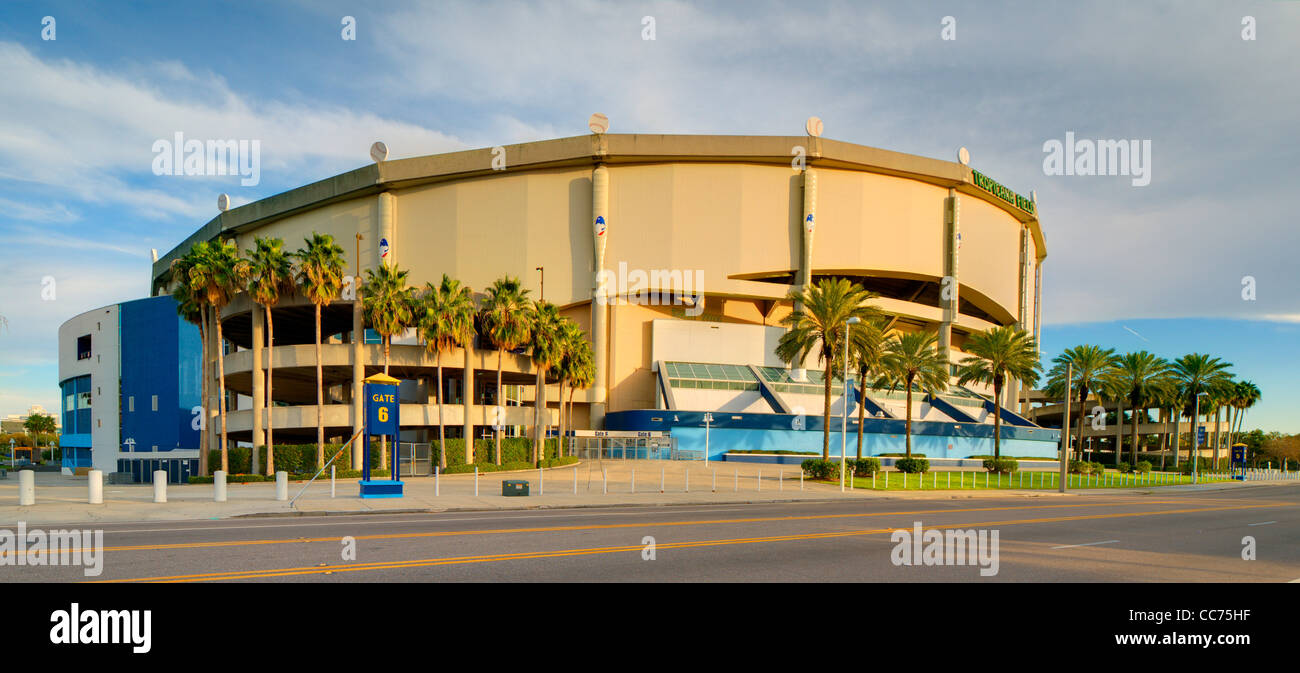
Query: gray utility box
{"points": [[514, 487]]}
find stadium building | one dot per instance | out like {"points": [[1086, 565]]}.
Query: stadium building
{"points": [[676, 254]]}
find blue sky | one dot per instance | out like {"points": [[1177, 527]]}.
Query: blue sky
{"points": [[79, 202]]}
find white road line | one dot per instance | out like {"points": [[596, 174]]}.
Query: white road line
{"points": [[1262, 523], [1085, 544]]}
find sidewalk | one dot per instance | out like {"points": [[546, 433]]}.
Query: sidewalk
{"points": [[62, 499]]}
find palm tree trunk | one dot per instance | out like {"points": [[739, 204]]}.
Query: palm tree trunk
{"points": [[1218, 414], [559, 439], [826, 413], [908, 429], [539, 402], [270, 367], [221, 379], [500, 403], [1133, 416], [205, 341], [383, 439], [1078, 435], [862, 408], [442, 432], [320, 399], [997, 419]]}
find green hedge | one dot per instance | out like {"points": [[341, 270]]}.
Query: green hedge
{"points": [[301, 458], [505, 467], [253, 478], [912, 464], [901, 455], [1001, 465]]}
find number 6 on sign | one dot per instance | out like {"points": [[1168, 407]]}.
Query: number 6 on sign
{"points": [[383, 414]]}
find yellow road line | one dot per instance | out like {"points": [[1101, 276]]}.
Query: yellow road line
{"points": [[491, 558], [551, 529]]}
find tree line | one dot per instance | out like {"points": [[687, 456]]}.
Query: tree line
{"points": [[447, 315]]}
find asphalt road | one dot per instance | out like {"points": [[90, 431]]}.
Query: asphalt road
{"points": [[1095, 537]]}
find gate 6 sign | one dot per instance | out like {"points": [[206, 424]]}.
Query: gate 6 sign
{"points": [[382, 406]]}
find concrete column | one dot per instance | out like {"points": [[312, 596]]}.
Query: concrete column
{"points": [[282, 485], [469, 402], [259, 385], [26, 488], [1022, 313], [160, 486], [358, 373], [949, 287], [809, 225], [599, 296], [95, 487], [219, 486], [387, 230]]}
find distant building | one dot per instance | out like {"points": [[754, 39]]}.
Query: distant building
{"points": [[15, 422], [129, 377]]}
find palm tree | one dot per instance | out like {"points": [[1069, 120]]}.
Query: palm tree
{"points": [[189, 305], [446, 319], [1168, 398], [866, 350], [1220, 397], [1140, 376], [320, 278], [821, 314], [386, 303], [506, 322], [1088, 365], [996, 355], [217, 275], [912, 359], [581, 368], [1247, 395], [1196, 372], [270, 275], [570, 338], [545, 347]]}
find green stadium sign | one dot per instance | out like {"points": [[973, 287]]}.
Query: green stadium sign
{"points": [[995, 188]]}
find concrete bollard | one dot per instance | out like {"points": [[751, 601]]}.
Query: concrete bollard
{"points": [[633, 480], [26, 488], [95, 487], [575, 481], [476, 481], [332, 486], [604, 481], [219, 486], [282, 485], [661, 480], [715, 481], [688, 481], [160, 486], [760, 480]]}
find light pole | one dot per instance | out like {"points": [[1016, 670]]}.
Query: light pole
{"points": [[542, 294], [708, 418], [1065, 429], [1196, 437], [844, 423]]}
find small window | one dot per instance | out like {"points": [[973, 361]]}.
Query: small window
{"points": [[83, 347]]}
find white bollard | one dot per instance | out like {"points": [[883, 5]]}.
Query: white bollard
{"points": [[780, 481], [604, 481], [661, 479], [160, 486], [541, 482], [873, 479], [715, 481], [282, 485], [760, 480], [95, 486], [436, 484], [219, 486], [633, 480], [575, 480], [26, 488], [332, 488], [476, 481], [736, 487]]}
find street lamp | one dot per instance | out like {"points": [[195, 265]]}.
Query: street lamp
{"points": [[844, 424], [708, 418], [542, 270], [1196, 438]]}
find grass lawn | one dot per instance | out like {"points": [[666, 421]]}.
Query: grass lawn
{"points": [[967, 481]]}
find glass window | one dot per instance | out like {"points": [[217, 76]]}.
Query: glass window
{"points": [[83, 347]]}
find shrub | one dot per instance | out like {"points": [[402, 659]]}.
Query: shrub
{"points": [[865, 466], [1001, 465], [1124, 468], [817, 468], [1080, 467], [912, 465], [1098, 468], [1142, 466]]}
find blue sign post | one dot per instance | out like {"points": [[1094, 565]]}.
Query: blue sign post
{"points": [[383, 408], [1239, 462]]}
